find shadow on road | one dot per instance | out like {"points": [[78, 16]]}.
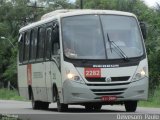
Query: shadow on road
{"points": [[82, 110]]}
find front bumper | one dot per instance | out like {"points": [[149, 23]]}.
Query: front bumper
{"points": [[76, 93]]}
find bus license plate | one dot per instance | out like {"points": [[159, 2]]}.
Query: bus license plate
{"points": [[108, 98]]}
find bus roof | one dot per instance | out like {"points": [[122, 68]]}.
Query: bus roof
{"points": [[71, 12]]}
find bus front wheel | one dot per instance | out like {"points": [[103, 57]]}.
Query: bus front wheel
{"points": [[93, 107], [130, 106], [60, 106], [97, 107]]}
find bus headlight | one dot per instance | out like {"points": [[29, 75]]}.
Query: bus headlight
{"points": [[140, 74], [71, 76], [143, 72]]}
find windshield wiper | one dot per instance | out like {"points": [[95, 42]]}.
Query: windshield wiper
{"points": [[110, 42], [117, 47]]}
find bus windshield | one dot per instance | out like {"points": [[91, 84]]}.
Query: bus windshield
{"points": [[101, 37]]}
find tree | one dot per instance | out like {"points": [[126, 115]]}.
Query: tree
{"points": [[15, 14]]}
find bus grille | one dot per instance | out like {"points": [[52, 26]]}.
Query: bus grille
{"points": [[109, 92], [116, 79], [96, 79], [113, 79], [109, 84]]}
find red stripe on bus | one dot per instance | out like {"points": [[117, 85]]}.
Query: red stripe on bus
{"points": [[29, 74]]}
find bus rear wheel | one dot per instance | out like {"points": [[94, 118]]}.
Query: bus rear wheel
{"points": [[60, 106], [35, 104], [130, 106]]}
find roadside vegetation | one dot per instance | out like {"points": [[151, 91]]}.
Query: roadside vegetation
{"points": [[153, 101], [6, 94], [11, 20], [9, 117]]}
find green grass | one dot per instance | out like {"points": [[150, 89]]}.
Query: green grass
{"points": [[6, 94], [153, 101], [9, 117]]}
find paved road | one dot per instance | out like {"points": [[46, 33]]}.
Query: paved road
{"points": [[20, 107]]}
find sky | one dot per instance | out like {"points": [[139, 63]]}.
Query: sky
{"points": [[150, 3]]}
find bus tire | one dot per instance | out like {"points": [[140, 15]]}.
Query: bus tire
{"points": [[60, 106], [130, 106], [94, 107], [54, 93], [97, 107], [89, 107], [35, 104], [44, 105]]}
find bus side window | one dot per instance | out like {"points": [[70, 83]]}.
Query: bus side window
{"points": [[26, 46], [55, 36], [33, 44], [40, 44], [20, 45], [48, 43]]}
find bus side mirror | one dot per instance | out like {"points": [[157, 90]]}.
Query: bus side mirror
{"points": [[144, 30]]}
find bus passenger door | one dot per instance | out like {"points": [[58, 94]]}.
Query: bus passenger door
{"points": [[55, 64], [52, 60]]}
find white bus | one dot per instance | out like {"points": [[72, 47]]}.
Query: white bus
{"points": [[83, 57]]}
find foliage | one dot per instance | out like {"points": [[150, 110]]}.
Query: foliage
{"points": [[6, 94], [15, 14], [154, 100]]}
